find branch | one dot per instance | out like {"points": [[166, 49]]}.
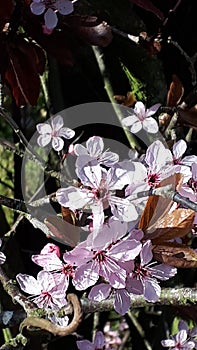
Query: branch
{"points": [[99, 55], [169, 296]]}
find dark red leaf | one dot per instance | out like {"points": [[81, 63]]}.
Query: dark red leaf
{"points": [[176, 255], [188, 117], [148, 6], [6, 9], [26, 61], [175, 92]]}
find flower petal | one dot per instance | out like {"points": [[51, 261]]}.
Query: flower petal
{"points": [[86, 276], [100, 292], [28, 284], [152, 110], [2, 258], [85, 345], [130, 120], [57, 122], [44, 128], [99, 340], [179, 149], [72, 197], [37, 8], [150, 125], [67, 133], [65, 7], [43, 140], [95, 146], [57, 143], [50, 18], [122, 301], [152, 289], [136, 127]]}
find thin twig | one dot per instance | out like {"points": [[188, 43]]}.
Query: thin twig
{"points": [[140, 330], [99, 55]]}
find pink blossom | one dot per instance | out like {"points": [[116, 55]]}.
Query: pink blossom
{"points": [[54, 133], [46, 291], [102, 258], [98, 343], [94, 152], [179, 341], [52, 263], [143, 279], [98, 193], [141, 118], [50, 7], [160, 163]]}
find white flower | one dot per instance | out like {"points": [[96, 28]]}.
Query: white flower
{"points": [[53, 133], [140, 118], [94, 152]]}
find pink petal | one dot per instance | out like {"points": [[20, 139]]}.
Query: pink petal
{"points": [[100, 292], [146, 253], [50, 18], [51, 248], [109, 158], [80, 150], [46, 280], [140, 110], [150, 125], [168, 343], [28, 284], [65, 7], [122, 301], [152, 290], [95, 146], [125, 250], [152, 110], [57, 122], [162, 271], [50, 262], [179, 149], [181, 336], [136, 127], [91, 175], [99, 340], [72, 197], [113, 273], [85, 345], [130, 120], [43, 140], [86, 276], [44, 128], [37, 8], [57, 143], [194, 171], [67, 133]]}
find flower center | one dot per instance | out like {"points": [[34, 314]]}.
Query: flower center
{"points": [[68, 270], [153, 179], [100, 256], [192, 184], [140, 272]]}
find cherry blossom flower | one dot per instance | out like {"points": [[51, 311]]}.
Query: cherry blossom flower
{"points": [[54, 133], [102, 258], [179, 341], [94, 152], [2, 255], [141, 118], [98, 343], [98, 193], [160, 163], [50, 7], [52, 263], [46, 291], [143, 278]]}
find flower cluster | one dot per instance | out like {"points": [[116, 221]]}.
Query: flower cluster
{"points": [[50, 9], [116, 258]]}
